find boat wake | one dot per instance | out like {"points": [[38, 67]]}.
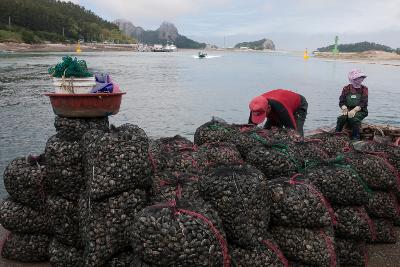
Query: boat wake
{"points": [[208, 56]]}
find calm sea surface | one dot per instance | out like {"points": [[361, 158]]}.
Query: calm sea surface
{"points": [[174, 93]]}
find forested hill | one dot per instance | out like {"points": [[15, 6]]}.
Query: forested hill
{"points": [[358, 47], [50, 20]]}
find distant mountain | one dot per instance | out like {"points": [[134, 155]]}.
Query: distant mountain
{"points": [[167, 32], [358, 47], [35, 21], [258, 45]]}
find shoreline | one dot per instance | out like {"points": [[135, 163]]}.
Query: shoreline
{"points": [[369, 57], [59, 47]]}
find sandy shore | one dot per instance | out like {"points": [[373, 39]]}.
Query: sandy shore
{"points": [[369, 57], [20, 47]]}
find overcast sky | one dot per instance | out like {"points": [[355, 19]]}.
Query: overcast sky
{"points": [[291, 24]]}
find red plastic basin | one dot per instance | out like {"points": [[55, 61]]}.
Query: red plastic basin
{"points": [[85, 105]]}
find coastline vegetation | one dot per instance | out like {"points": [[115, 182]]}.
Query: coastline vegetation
{"points": [[359, 47], [37, 21]]}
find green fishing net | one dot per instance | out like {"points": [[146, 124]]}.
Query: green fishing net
{"points": [[70, 67]]}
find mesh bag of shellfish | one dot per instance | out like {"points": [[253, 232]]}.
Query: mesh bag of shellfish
{"points": [[138, 262], [185, 234], [353, 223], [283, 134], [64, 167], [308, 246], [351, 252], [333, 144], [103, 224], [122, 259], [340, 184], [307, 152], [162, 148], [22, 219], [116, 161], [25, 181], [74, 128], [378, 173], [211, 155], [388, 151], [64, 220], [266, 253], [185, 160], [274, 162], [248, 136], [239, 195], [298, 204], [25, 247], [384, 231], [382, 205], [64, 256], [169, 186], [214, 131]]}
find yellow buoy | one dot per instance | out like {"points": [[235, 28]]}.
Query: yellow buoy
{"points": [[78, 48], [305, 56]]}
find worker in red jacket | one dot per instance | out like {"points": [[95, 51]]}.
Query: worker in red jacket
{"points": [[282, 108]]}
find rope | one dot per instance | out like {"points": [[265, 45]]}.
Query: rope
{"points": [[371, 225], [316, 192], [277, 251], [4, 240], [152, 161], [330, 247], [366, 259]]}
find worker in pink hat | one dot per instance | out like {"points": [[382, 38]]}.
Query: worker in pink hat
{"points": [[353, 103], [281, 108]]}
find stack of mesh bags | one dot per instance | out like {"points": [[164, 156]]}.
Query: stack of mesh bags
{"points": [[301, 222], [388, 153], [348, 193], [23, 213], [66, 183], [382, 177], [118, 174]]}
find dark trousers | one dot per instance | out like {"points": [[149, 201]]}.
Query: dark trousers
{"points": [[300, 115], [354, 123]]}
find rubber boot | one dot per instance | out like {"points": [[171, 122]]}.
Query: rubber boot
{"points": [[355, 134]]}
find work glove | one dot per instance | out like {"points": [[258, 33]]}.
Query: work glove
{"points": [[353, 112], [344, 110]]}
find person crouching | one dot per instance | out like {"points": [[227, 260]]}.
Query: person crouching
{"points": [[353, 103], [281, 108]]}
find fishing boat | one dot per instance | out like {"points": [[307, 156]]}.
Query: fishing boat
{"points": [[170, 48], [158, 48], [202, 55]]}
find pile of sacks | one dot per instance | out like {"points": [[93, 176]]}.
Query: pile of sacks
{"points": [[238, 195]]}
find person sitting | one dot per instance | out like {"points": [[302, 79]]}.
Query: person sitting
{"points": [[353, 103], [281, 108]]}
